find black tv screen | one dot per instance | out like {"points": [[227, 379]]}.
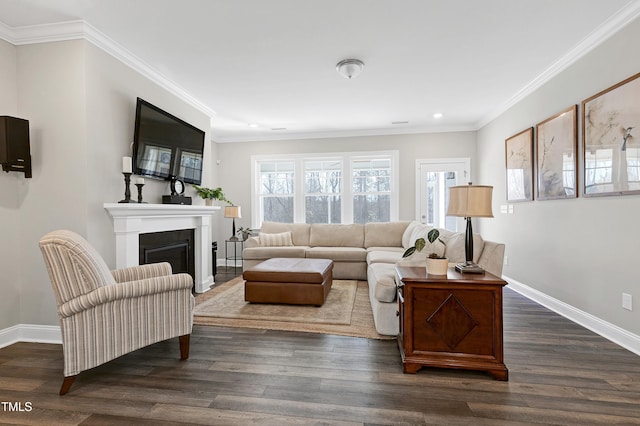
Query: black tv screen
{"points": [[165, 146]]}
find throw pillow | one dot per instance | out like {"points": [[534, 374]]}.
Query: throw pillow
{"points": [[276, 240], [406, 236]]}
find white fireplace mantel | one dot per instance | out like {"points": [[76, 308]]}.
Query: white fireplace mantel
{"points": [[132, 219]]}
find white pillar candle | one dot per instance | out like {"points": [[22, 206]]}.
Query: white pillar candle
{"points": [[126, 164], [140, 181]]}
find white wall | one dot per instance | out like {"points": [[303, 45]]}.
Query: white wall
{"points": [[112, 89], [234, 170], [10, 188], [81, 106], [577, 251], [51, 96]]}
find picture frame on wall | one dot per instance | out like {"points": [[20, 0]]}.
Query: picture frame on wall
{"points": [[556, 155], [519, 164], [611, 140]]}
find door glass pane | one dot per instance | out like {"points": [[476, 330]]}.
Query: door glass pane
{"points": [[438, 184], [436, 199]]}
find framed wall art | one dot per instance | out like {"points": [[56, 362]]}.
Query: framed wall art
{"points": [[611, 140], [519, 162], [556, 152]]}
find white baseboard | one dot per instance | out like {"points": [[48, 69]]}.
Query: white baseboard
{"points": [[30, 333], [605, 329]]}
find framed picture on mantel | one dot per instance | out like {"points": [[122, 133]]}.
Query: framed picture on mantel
{"points": [[519, 162]]}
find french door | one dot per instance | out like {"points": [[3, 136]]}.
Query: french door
{"points": [[433, 180]]}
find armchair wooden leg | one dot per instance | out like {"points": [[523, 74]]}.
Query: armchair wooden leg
{"points": [[184, 346], [66, 384]]}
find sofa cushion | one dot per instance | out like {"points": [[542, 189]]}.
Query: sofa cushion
{"points": [[262, 253], [384, 234], [299, 231], [275, 240], [455, 249], [384, 256], [324, 235], [338, 254], [383, 275]]}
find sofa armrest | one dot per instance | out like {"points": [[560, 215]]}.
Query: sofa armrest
{"points": [[141, 272], [126, 290], [492, 257], [252, 242]]}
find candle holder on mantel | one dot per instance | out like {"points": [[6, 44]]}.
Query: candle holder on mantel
{"points": [[140, 185], [127, 191]]}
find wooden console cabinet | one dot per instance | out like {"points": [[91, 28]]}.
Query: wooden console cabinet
{"points": [[451, 322]]}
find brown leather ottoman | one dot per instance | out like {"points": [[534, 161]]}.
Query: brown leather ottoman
{"points": [[293, 281]]}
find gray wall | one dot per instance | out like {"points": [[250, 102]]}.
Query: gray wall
{"points": [[11, 185], [80, 103], [578, 250], [235, 162]]}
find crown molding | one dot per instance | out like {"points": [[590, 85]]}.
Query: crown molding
{"points": [[81, 30], [607, 29]]}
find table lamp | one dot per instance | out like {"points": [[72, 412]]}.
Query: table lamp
{"points": [[232, 212], [470, 201]]}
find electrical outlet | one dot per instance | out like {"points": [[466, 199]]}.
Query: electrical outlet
{"points": [[627, 301]]}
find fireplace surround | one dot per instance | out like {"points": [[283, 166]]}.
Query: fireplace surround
{"points": [[132, 220]]}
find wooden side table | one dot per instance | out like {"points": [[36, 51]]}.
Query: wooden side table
{"points": [[451, 322]]}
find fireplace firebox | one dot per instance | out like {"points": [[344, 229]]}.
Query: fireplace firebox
{"points": [[175, 247]]}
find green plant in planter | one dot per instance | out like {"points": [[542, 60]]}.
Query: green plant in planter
{"points": [[211, 194], [246, 232], [420, 243]]}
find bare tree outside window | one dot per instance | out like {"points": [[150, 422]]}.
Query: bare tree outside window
{"points": [[325, 188], [371, 190], [323, 191], [277, 190]]}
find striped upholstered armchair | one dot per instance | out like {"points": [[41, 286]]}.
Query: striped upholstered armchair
{"points": [[105, 314]]}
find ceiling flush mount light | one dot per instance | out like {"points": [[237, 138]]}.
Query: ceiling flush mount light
{"points": [[437, 115], [350, 68]]}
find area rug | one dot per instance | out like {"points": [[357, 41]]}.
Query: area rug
{"points": [[346, 311], [230, 303]]}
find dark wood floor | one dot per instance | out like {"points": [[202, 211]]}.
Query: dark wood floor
{"points": [[560, 373]]}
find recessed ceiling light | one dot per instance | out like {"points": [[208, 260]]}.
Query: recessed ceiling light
{"points": [[254, 125], [437, 115], [399, 122]]}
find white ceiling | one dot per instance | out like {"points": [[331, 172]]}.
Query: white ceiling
{"points": [[272, 62]]}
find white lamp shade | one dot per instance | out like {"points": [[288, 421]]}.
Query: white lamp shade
{"points": [[232, 212], [470, 201]]}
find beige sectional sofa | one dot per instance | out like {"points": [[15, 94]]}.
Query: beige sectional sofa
{"points": [[365, 252]]}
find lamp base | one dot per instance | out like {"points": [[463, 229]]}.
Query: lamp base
{"points": [[469, 268]]}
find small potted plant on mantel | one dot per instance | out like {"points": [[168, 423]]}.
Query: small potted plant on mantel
{"points": [[209, 194], [436, 264]]}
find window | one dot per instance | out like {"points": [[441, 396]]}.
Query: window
{"points": [[371, 179], [323, 191], [276, 190], [325, 188]]}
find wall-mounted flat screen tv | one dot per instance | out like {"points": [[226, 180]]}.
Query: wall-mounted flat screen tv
{"points": [[166, 147]]}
